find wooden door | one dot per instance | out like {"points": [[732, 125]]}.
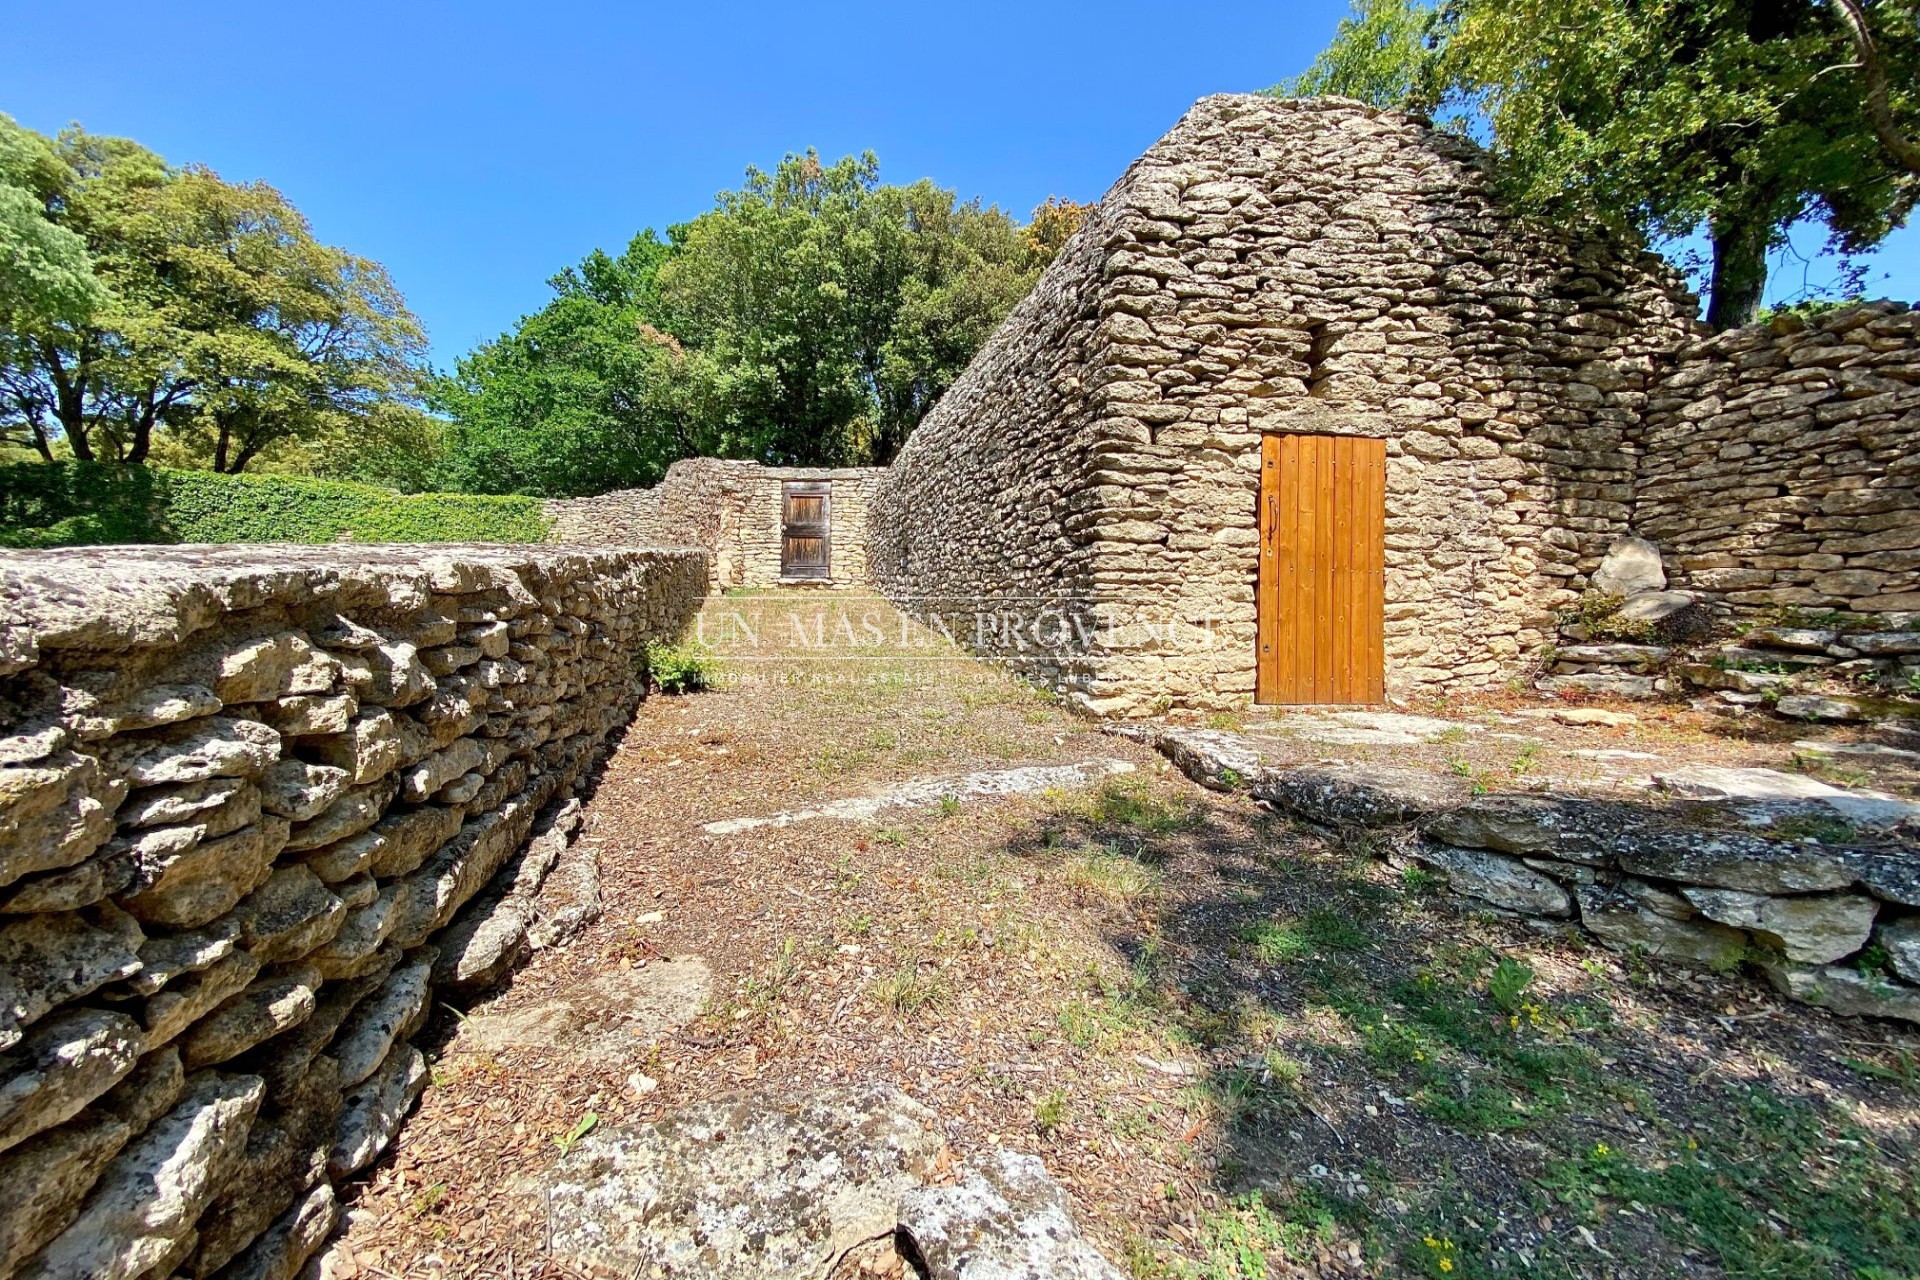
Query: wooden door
{"points": [[806, 529], [1322, 583]]}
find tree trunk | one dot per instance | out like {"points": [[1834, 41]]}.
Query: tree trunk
{"points": [[69, 400], [1873, 73], [1739, 269], [220, 449]]}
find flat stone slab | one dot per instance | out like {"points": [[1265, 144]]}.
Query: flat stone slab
{"points": [[1865, 750], [927, 791], [1007, 1220], [1718, 782], [1369, 728], [746, 1188], [617, 1014]]}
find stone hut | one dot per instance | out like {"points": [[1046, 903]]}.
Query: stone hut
{"points": [[763, 526], [1300, 415]]}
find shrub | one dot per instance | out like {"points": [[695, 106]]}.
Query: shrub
{"points": [[678, 668], [90, 504]]}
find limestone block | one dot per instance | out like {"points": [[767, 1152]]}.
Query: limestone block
{"points": [[215, 747], [47, 1178], [1004, 1220], [357, 809], [268, 1006], [185, 1001], [1632, 565], [1731, 860], [152, 1192], [67, 1061], [281, 1250], [799, 1180], [1814, 929], [389, 674], [1901, 939], [288, 916], [300, 791], [391, 1013], [54, 814], [197, 887], [1504, 882], [156, 806], [368, 748], [411, 835], [362, 933], [1622, 921], [47, 960], [166, 957], [286, 1154], [1877, 644], [1844, 989], [371, 1113], [309, 714], [273, 667], [344, 859], [150, 708]]}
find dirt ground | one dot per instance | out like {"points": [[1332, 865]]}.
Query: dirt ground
{"points": [[1246, 1048]]}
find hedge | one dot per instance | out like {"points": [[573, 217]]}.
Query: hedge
{"points": [[64, 504]]}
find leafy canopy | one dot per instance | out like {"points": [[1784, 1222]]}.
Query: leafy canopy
{"points": [[1738, 118], [811, 317], [208, 312]]}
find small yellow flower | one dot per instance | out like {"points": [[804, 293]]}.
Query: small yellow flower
{"points": [[1446, 1264], [1602, 1149]]}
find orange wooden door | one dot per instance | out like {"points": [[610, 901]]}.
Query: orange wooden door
{"points": [[1322, 585]]}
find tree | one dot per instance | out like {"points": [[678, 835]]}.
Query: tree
{"points": [[46, 274], [835, 309], [218, 317], [1738, 118], [812, 317], [585, 395]]}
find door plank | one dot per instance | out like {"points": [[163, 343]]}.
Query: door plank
{"points": [[1320, 593]]}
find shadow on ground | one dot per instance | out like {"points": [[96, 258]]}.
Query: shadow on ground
{"points": [[1398, 1084]]}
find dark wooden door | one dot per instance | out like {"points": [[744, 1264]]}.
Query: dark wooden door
{"points": [[1321, 600], [806, 529]]}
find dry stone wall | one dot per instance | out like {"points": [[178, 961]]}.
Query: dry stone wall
{"points": [[730, 508], [1290, 266], [1782, 467], [257, 805], [1699, 876]]}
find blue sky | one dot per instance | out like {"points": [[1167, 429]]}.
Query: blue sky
{"points": [[475, 149]]}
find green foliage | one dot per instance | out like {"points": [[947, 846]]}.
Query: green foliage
{"points": [[46, 274], [1508, 983], [585, 395], [679, 668], [1380, 55], [91, 504], [1768, 1160], [811, 317], [1735, 118], [210, 314]]}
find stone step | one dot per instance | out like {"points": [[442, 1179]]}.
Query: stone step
{"points": [[1622, 655], [1708, 676], [1733, 655], [1611, 685], [1797, 639], [1845, 707]]}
